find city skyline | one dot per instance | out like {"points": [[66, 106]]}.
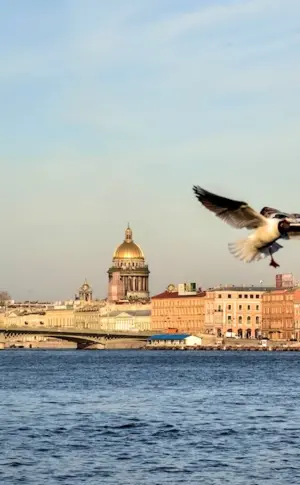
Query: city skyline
{"points": [[113, 112]]}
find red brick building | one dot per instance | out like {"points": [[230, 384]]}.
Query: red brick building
{"points": [[280, 314]]}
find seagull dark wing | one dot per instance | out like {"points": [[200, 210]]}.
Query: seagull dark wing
{"points": [[234, 212], [273, 213], [295, 217]]}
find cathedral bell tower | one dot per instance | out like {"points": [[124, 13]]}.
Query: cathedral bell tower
{"points": [[128, 277], [85, 292]]}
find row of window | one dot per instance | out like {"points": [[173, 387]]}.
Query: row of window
{"points": [[245, 295], [186, 324], [240, 319], [278, 310], [278, 324], [229, 307], [181, 302], [183, 311], [277, 297]]}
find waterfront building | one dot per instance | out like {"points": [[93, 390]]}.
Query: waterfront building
{"points": [[127, 321], [297, 317], [128, 276], [179, 340], [114, 316], [235, 310], [38, 318], [281, 314], [178, 309], [88, 316]]}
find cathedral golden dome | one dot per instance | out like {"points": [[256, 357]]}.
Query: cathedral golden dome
{"points": [[128, 249]]}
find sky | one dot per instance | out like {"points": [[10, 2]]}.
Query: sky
{"points": [[112, 111]]}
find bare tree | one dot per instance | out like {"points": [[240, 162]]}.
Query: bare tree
{"points": [[4, 297]]}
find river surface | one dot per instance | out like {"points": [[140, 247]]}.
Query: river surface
{"points": [[149, 418]]}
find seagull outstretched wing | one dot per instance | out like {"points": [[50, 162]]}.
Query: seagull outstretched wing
{"points": [[234, 212]]}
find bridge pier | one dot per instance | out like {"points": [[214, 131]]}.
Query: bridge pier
{"points": [[90, 346]]}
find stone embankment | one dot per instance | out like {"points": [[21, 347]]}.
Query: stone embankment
{"points": [[210, 343], [230, 348]]}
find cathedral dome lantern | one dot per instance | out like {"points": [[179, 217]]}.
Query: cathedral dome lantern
{"points": [[128, 275], [128, 250]]}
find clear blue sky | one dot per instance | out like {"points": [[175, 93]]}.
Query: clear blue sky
{"points": [[111, 111]]}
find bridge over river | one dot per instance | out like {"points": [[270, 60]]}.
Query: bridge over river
{"points": [[83, 337]]}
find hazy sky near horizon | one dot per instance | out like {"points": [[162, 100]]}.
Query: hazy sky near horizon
{"points": [[112, 111]]}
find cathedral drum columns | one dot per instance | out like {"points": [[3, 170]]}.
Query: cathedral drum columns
{"points": [[128, 275]]}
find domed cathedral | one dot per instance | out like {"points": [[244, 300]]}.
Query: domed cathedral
{"points": [[128, 275]]}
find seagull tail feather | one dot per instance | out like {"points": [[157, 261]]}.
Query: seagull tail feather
{"points": [[245, 250]]}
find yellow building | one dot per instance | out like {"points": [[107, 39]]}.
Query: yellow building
{"points": [[126, 317], [39, 318], [60, 318], [88, 316], [109, 316], [175, 311], [234, 310]]}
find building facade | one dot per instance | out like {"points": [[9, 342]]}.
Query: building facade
{"points": [[39, 318], [297, 317], [234, 310], [184, 340], [88, 316], [127, 320], [110, 316], [176, 311], [128, 277], [280, 314]]}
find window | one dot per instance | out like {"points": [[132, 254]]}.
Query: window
{"points": [[219, 296], [229, 318], [240, 296], [229, 296], [245, 296], [240, 307], [248, 319], [240, 320], [257, 320], [229, 307], [257, 307], [251, 296], [256, 296], [248, 307]]}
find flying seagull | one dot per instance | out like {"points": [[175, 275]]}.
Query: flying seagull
{"points": [[269, 225]]}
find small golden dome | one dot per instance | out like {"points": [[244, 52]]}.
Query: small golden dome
{"points": [[128, 249]]}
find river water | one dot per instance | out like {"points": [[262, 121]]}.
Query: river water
{"points": [[149, 418]]}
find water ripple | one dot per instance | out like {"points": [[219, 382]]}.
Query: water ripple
{"points": [[132, 418]]}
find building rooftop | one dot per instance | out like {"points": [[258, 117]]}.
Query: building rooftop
{"points": [[174, 294], [136, 313], [280, 291], [241, 288], [169, 336]]}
